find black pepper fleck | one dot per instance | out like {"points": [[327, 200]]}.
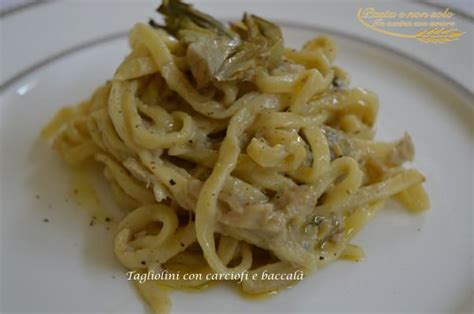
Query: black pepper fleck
{"points": [[172, 182], [143, 263], [46, 220], [107, 219], [37, 196], [152, 23], [321, 258]]}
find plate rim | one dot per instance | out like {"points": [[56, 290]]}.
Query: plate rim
{"points": [[284, 23]]}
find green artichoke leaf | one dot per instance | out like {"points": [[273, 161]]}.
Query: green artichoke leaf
{"points": [[217, 53]]}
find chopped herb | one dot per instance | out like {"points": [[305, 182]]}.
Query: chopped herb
{"points": [[182, 244], [91, 223]]}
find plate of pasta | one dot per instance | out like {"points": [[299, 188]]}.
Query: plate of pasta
{"points": [[215, 163]]}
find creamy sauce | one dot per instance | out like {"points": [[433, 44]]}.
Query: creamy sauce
{"points": [[82, 192]]}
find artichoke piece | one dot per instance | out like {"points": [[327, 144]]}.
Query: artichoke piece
{"points": [[339, 144], [261, 46], [208, 41], [179, 15], [217, 53]]}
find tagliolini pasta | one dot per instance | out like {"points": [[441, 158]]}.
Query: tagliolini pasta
{"points": [[231, 153]]}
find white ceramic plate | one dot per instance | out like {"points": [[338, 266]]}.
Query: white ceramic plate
{"points": [[421, 263]]}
